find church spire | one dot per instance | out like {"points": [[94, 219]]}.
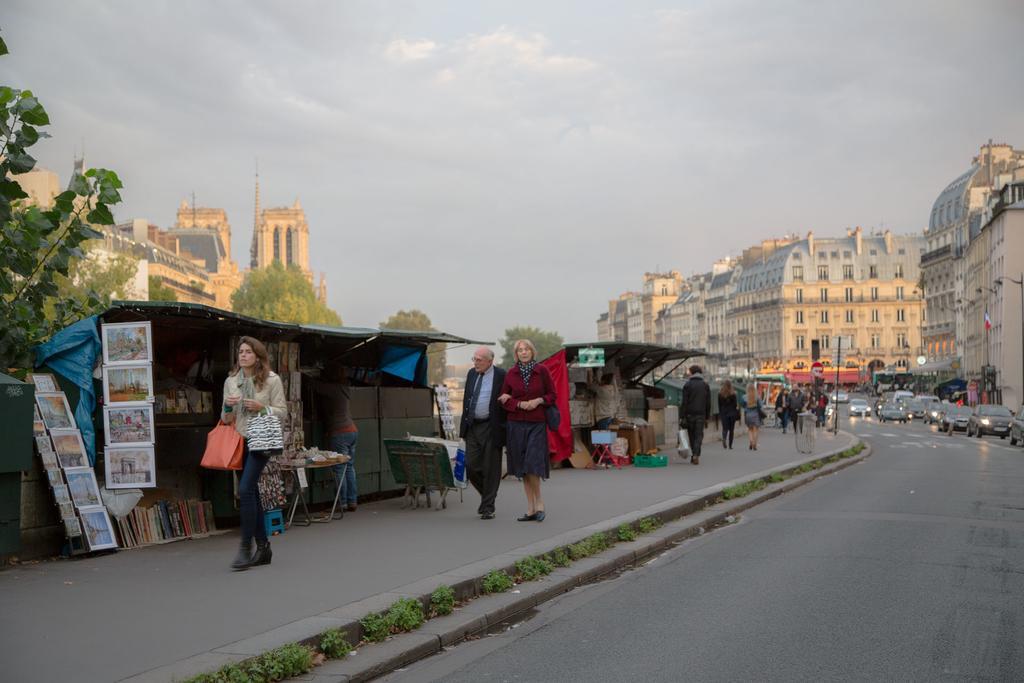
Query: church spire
{"points": [[254, 248]]}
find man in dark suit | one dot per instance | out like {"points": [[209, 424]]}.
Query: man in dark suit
{"points": [[483, 428]]}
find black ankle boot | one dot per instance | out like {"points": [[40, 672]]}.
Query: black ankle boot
{"points": [[243, 560], [263, 553]]}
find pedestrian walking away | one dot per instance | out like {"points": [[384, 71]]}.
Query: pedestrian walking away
{"points": [[753, 415], [728, 410], [251, 389], [528, 389], [483, 426], [696, 410], [342, 433]]}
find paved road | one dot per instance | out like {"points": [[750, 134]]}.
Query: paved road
{"points": [[908, 566]]}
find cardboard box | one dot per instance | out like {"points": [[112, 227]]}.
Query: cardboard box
{"points": [[648, 440], [632, 436]]}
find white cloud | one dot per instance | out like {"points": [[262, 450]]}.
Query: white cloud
{"points": [[402, 50], [505, 46]]}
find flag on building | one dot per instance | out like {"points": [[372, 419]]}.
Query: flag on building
{"points": [[988, 322]]}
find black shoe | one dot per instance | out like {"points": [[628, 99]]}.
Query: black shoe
{"points": [[486, 515], [527, 518], [243, 560], [263, 553], [538, 516]]}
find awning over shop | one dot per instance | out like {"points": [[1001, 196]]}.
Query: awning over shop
{"points": [[846, 376], [634, 360], [932, 367]]}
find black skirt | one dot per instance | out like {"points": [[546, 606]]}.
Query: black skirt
{"points": [[528, 449]]}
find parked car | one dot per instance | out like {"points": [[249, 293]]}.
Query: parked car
{"points": [[893, 412], [1017, 428], [954, 419], [839, 397], [990, 419], [859, 408], [916, 409]]}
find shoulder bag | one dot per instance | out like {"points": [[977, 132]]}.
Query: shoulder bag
{"points": [[223, 448], [264, 433]]}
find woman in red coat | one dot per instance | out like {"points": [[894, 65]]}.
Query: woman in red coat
{"points": [[527, 390]]}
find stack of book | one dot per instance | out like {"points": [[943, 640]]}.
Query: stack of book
{"points": [[166, 520]]}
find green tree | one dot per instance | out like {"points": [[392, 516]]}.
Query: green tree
{"points": [[281, 294], [104, 276], [547, 343], [158, 291], [418, 321], [38, 248]]}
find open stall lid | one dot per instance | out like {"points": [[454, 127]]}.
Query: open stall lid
{"points": [[635, 360]]}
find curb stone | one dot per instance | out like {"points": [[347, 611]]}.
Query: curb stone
{"points": [[683, 518]]}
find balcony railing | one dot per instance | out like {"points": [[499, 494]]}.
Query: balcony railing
{"points": [[936, 254]]}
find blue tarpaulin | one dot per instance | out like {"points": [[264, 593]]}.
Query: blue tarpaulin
{"points": [[72, 353], [406, 362]]}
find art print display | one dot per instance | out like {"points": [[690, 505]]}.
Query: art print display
{"points": [[82, 485], [67, 510], [50, 461], [127, 343], [127, 384], [38, 427], [61, 494], [130, 467], [44, 383], [43, 444], [69, 447], [71, 527], [96, 526], [55, 411], [54, 477], [129, 425]]}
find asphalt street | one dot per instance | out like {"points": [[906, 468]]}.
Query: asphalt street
{"points": [[908, 566]]}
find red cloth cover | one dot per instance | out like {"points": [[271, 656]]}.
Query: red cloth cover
{"points": [[560, 442]]}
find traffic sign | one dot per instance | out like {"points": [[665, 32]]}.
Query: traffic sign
{"points": [[817, 369]]}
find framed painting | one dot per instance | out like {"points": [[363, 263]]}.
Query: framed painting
{"points": [[67, 510], [61, 494], [43, 444], [38, 426], [129, 425], [45, 383], [71, 527], [54, 410], [127, 343], [96, 526], [50, 461], [128, 384], [82, 485], [69, 447], [55, 479], [130, 467]]}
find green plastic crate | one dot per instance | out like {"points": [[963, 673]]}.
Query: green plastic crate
{"points": [[650, 460]]}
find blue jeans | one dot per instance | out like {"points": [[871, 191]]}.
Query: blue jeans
{"points": [[604, 423], [346, 443], [251, 510]]}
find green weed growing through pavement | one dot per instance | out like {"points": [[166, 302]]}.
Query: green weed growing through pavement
{"points": [[497, 581], [442, 600], [333, 643], [626, 533]]}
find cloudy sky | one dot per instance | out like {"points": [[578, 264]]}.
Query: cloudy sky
{"points": [[504, 163]]}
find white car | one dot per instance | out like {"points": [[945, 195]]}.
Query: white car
{"points": [[840, 397], [859, 408]]}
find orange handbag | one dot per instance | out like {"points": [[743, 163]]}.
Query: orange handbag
{"points": [[223, 448]]}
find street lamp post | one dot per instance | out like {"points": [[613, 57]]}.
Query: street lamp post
{"points": [[988, 359], [1019, 283]]}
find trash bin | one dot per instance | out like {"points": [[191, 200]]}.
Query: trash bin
{"points": [[804, 430], [16, 401]]}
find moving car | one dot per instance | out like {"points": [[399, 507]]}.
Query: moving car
{"points": [[839, 397], [916, 409], [1017, 428], [990, 419], [932, 410], [859, 408], [892, 412], [955, 419]]}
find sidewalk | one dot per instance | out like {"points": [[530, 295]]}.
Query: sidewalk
{"points": [[114, 617]]}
